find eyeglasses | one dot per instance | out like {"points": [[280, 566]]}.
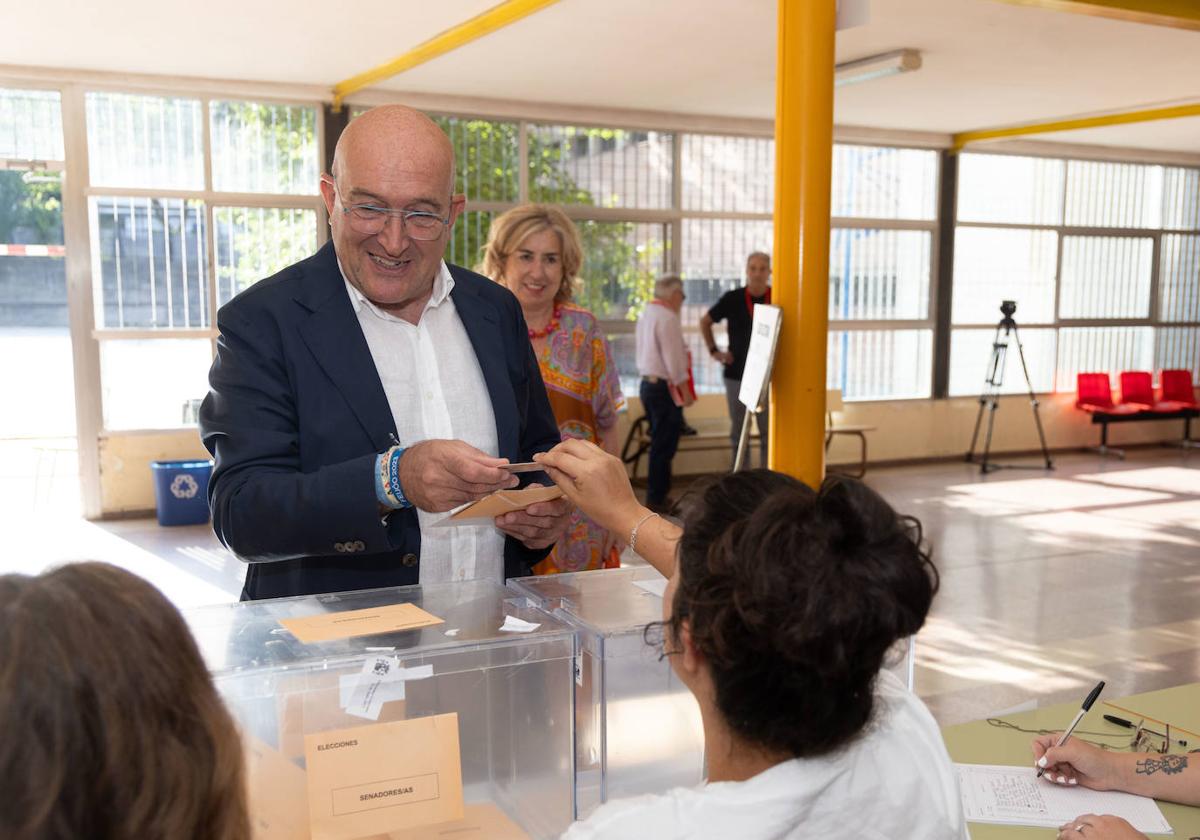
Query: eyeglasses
{"points": [[369, 219]]}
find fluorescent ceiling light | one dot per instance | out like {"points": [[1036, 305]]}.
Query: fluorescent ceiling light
{"points": [[876, 67]]}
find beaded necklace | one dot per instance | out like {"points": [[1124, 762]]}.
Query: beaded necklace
{"points": [[549, 328]]}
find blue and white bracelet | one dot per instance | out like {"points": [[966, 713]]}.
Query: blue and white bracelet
{"points": [[387, 479]]}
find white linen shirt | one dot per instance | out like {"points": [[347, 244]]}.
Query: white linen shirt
{"points": [[660, 348], [894, 782], [436, 391]]}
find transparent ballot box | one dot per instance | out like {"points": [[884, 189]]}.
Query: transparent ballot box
{"points": [[409, 712], [637, 727]]}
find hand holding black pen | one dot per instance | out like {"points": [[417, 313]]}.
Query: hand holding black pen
{"points": [[1083, 710]]}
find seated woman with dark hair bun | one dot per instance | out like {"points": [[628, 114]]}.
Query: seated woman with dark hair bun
{"points": [[781, 607]]}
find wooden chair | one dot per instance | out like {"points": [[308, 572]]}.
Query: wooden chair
{"points": [[833, 405]]}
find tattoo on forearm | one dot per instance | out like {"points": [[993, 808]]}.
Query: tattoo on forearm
{"points": [[1168, 764]]}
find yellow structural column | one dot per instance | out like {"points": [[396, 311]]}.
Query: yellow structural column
{"points": [[800, 285]]}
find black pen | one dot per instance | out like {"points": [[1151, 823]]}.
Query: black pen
{"points": [[1083, 710]]}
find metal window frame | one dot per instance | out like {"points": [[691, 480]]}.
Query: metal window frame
{"points": [[78, 236], [211, 198], [1154, 320]]}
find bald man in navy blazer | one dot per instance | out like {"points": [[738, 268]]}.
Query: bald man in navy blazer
{"points": [[359, 394]]}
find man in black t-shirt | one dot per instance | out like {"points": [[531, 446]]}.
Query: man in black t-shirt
{"points": [[737, 307]]}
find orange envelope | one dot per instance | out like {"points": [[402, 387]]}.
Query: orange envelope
{"points": [[325, 627], [504, 501], [384, 777], [276, 794]]}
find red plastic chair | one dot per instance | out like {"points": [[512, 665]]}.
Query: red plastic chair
{"points": [[1177, 389], [1094, 395], [1137, 389]]}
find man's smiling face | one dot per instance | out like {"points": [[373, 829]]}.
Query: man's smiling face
{"points": [[401, 162]]}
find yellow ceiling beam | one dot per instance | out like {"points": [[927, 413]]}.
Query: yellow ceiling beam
{"points": [[464, 33], [1144, 115], [1181, 14]]}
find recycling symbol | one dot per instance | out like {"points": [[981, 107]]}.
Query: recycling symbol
{"points": [[184, 486]]}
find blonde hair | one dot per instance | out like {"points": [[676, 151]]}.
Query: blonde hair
{"points": [[510, 230]]}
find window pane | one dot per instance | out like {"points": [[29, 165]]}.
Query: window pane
{"points": [[621, 261], [728, 174], [1004, 188], [486, 156], [255, 242], [30, 211], [177, 367], [624, 348], [37, 374], [714, 259], [1113, 194], [468, 238], [1106, 277], [1179, 278], [1102, 349], [971, 355], [149, 264], [30, 125], [993, 265], [145, 141], [884, 183], [1181, 199], [264, 148], [605, 167], [879, 274], [1178, 348], [35, 342], [880, 364]]}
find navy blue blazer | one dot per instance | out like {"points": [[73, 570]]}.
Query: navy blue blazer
{"points": [[296, 415]]}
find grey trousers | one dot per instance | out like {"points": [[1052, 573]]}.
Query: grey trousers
{"points": [[737, 416]]}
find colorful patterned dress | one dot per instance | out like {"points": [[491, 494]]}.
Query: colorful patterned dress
{"points": [[585, 393]]}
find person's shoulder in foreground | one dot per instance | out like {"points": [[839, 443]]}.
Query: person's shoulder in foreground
{"points": [[895, 782]]}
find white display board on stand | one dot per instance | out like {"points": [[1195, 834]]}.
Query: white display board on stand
{"points": [[756, 378]]}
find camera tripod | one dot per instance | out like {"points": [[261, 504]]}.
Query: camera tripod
{"points": [[990, 398]]}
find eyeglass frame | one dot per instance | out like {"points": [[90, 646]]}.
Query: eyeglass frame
{"points": [[388, 213]]}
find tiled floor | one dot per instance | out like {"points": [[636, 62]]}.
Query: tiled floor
{"points": [[1050, 581]]}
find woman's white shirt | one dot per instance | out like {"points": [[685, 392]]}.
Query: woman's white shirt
{"points": [[894, 781]]}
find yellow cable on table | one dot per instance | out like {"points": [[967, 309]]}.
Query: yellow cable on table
{"points": [[482, 24], [1143, 115], [800, 285]]}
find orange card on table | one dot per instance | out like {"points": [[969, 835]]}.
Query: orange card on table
{"points": [[384, 777], [325, 627]]}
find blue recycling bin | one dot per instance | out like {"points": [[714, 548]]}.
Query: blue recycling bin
{"points": [[181, 491]]}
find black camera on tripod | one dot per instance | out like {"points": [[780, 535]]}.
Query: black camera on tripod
{"points": [[989, 400]]}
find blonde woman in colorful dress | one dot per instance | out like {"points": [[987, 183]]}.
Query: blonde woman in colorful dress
{"points": [[534, 251]]}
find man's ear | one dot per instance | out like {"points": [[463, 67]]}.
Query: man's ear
{"points": [[458, 203], [328, 192]]}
